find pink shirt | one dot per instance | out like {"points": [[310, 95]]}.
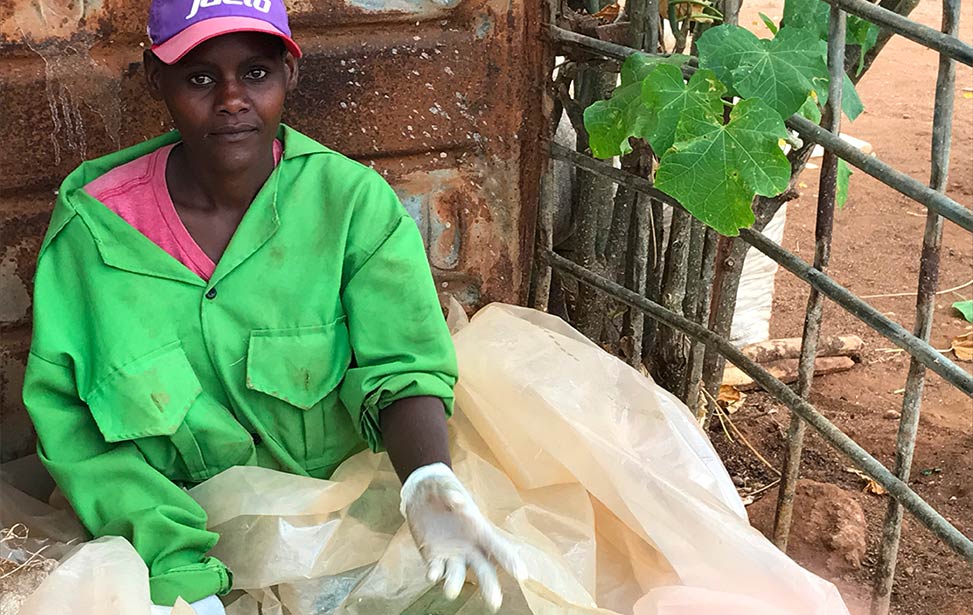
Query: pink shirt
{"points": [[138, 193]]}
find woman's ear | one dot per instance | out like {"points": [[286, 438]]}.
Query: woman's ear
{"points": [[153, 74], [290, 63]]}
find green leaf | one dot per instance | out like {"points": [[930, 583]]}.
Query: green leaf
{"points": [[638, 65], [843, 178], [769, 23], [715, 170], [781, 71], [965, 308], [666, 94], [811, 15], [810, 109], [610, 123], [863, 33], [711, 51], [851, 104]]}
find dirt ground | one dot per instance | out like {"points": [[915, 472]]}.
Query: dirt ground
{"points": [[877, 240]]}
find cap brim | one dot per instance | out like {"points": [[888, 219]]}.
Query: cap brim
{"points": [[179, 45]]}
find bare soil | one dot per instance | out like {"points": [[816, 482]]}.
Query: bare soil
{"points": [[876, 246]]}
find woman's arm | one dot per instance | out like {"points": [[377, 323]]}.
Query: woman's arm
{"points": [[111, 486], [400, 392], [115, 492], [452, 534], [414, 434], [404, 362]]}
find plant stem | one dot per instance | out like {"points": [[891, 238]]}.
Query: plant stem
{"points": [[672, 349], [594, 197]]}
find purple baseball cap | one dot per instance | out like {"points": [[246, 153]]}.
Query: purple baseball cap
{"points": [[176, 26]]}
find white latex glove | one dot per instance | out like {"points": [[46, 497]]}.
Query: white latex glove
{"points": [[209, 605], [453, 535]]}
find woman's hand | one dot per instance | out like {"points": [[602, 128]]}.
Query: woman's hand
{"points": [[450, 531], [453, 535]]}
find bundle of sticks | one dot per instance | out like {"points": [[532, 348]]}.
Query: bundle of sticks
{"points": [[779, 357]]}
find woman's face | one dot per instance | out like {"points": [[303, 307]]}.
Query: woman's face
{"points": [[226, 97]]}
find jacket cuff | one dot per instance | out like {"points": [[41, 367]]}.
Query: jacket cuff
{"points": [[192, 583], [400, 386]]}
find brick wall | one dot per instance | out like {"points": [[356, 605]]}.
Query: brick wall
{"points": [[439, 95]]}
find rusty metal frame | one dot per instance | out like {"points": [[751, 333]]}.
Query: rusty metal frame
{"points": [[923, 355]]}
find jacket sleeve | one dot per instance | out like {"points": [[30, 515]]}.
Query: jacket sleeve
{"points": [[116, 493], [399, 338], [111, 486]]}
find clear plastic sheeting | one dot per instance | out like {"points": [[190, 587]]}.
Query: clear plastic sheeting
{"points": [[100, 577], [615, 498]]}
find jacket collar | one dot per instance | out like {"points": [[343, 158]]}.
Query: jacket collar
{"points": [[123, 247], [297, 144]]}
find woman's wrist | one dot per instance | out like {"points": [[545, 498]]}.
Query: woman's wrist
{"points": [[414, 434]]}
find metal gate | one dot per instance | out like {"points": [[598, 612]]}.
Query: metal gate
{"points": [[712, 347]]}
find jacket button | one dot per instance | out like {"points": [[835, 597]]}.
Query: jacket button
{"points": [[211, 293]]}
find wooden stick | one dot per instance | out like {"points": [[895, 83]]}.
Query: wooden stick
{"points": [[790, 348], [720, 414], [913, 293], [764, 488], [723, 416], [786, 371]]}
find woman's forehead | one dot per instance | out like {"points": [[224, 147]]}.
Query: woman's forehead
{"points": [[235, 47]]}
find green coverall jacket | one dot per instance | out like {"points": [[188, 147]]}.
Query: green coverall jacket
{"points": [[143, 378]]}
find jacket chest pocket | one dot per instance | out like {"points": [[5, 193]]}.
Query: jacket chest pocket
{"points": [[303, 366], [158, 402]]}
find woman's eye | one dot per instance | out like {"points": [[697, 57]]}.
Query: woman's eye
{"points": [[257, 74], [200, 80]]}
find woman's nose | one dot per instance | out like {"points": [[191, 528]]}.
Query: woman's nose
{"points": [[231, 98]]}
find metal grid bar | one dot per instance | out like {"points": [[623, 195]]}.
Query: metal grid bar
{"points": [[731, 11], [936, 201], [541, 284], [923, 355], [790, 472], [602, 48], [943, 42], [894, 332], [704, 300], [728, 257], [926, 354], [925, 307], [925, 513]]}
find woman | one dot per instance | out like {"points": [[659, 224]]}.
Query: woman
{"points": [[235, 293]]}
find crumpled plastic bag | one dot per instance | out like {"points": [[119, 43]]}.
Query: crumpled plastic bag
{"points": [[105, 575], [614, 496]]}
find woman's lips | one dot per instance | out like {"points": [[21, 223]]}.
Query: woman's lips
{"points": [[232, 134]]}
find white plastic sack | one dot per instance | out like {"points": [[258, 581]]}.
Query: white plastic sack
{"points": [[755, 297], [614, 497]]}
